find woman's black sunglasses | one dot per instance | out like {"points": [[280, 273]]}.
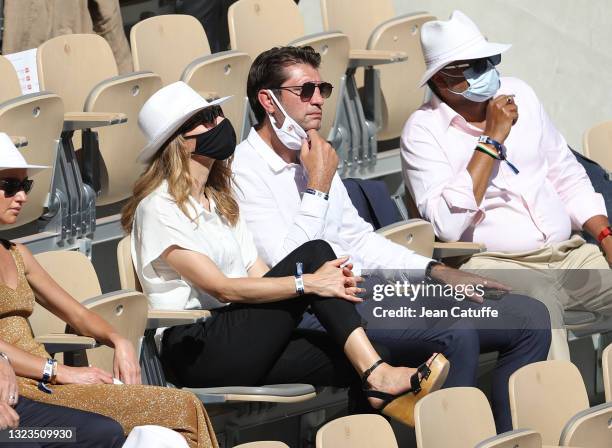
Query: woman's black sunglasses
{"points": [[12, 186], [208, 115], [307, 90]]}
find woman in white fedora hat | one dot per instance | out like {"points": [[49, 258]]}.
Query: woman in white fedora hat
{"points": [[42, 379], [191, 249]]}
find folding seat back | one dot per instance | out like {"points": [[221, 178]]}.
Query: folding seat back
{"points": [[125, 310], [334, 49], [553, 386], [224, 74], [120, 145], [127, 274], [606, 360], [166, 44], [258, 25], [72, 64], [597, 144], [356, 431], [9, 88], [399, 82], [448, 418], [38, 117], [364, 16]]}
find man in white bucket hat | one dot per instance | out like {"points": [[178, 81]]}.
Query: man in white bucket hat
{"points": [[484, 163]]}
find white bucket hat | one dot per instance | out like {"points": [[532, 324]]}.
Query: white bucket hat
{"points": [[166, 111], [454, 40], [11, 158]]}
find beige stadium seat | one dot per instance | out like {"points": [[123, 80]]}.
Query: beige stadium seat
{"points": [[263, 444], [357, 431], [274, 393], [597, 144], [606, 360], [120, 145], [225, 73], [373, 26], [166, 44], [258, 25], [38, 117], [550, 397], [460, 417], [125, 310]]}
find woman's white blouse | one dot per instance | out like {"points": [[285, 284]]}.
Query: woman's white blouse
{"points": [[159, 224]]}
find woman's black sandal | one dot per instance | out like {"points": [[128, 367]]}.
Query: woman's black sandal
{"points": [[428, 378]]}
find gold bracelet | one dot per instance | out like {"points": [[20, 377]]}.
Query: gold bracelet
{"points": [[53, 372]]}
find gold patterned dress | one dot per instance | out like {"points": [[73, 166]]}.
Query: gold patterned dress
{"points": [[130, 405]]}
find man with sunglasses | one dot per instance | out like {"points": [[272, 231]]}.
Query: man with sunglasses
{"points": [[484, 163], [289, 193]]}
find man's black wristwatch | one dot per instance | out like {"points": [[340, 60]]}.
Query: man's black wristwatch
{"points": [[428, 269]]}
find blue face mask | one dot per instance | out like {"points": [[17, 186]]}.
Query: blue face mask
{"points": [[481, 87]]}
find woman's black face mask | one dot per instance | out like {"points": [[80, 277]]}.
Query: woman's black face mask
{"points": [[218, 143]]}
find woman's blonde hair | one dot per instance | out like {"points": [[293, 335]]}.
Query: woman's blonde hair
{"points": [[171, 163]]}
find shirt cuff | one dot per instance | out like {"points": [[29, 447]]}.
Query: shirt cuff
{"points": [[314, 206], [582, 209], [418, 264]]}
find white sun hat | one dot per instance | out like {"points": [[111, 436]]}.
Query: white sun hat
{"points": [[11, 158], [455, 39], [166, 111]]}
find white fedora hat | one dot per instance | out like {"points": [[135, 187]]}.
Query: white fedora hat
{"points": [[11, 158], [166, 111], [455, 39]]}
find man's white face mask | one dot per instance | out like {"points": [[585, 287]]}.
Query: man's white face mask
{"points": [[291, 134]]}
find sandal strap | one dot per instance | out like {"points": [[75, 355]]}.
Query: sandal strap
{"points": [[415, 383], [424, 370], [367, 373], [384, 396]]}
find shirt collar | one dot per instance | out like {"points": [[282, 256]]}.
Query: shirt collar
{"points": [[194, 205], [274, 161], [448, 116]]}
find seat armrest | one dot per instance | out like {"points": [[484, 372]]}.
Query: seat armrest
{"points": [[170, 318], [61, 343], [458, 249], [74, 121], [518, 438], [367, 58]]}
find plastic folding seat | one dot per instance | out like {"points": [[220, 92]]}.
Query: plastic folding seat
{"points": [[81, 69], [461, 417], [606, 360], [550, 397], [166, 44], [175, 46], [274, 393], [373, 26], [357, 431], [597, 144], [125, 310], [256, 26], [35, 123]]}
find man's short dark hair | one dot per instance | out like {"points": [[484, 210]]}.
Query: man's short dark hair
{"points": [[268, 71]]}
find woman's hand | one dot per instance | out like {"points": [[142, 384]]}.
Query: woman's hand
{"points": [[9, 392], [8, 416], [331, 280], [82, 375], [125, 363]]}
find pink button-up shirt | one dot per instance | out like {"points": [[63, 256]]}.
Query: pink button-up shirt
{"points": [[519, 212]]}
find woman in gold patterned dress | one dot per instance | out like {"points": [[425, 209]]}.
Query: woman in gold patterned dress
{"points": [[22, 280]]}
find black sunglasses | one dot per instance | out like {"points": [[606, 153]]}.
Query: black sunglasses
{"points": [[478, 65], [208, 116], [307, 90], [11, 186]]}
